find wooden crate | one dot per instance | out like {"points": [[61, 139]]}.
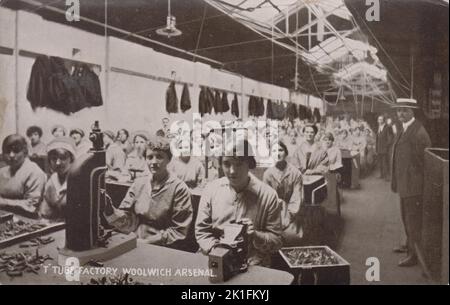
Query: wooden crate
{"points": [[337, 274]]}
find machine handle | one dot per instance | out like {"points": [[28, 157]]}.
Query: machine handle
{"points": [[314, 192]]}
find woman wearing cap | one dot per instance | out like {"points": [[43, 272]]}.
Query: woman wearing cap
{"points": [[135, 164], [309, 157], [240, 197], [189, 169], [82, 146], [333, 152], [158, 207], [286, 180], [61, 154], [115, 156], [22, 181], [58, 131]]}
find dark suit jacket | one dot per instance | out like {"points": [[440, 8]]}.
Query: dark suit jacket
{"points": [[408, 160], [384, 140]]}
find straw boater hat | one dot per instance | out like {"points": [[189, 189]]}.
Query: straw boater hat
{"points": [[406, 103]]}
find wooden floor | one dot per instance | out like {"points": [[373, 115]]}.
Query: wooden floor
{"points": [[371, 227]]}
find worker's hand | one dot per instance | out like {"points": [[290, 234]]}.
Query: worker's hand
{"points": [[309, 172], [250, 226], [153, 236]]}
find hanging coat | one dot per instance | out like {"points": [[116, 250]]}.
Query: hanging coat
{"points": [[205, 101], [292, 113], [302, 112], [269, 113], [185, 103], [309, 115], [225, 105], [235, 106], [259, 107], [171, 99], [89, 86], [66, 94], [210, 98], [52, 86], [37, 93], [316, 114], [217, 103], [251, 106], [279, 111], [202, 101]]}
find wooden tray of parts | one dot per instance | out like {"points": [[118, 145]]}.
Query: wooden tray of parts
{"points": [[43, 230], [316, 265]]}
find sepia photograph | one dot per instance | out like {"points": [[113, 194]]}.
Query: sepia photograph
{"points": [[199, 143]]}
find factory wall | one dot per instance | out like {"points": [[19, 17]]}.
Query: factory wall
{"points": [[135, 98]]}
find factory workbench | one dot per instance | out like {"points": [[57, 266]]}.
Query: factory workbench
{"points": [[146, 264]]}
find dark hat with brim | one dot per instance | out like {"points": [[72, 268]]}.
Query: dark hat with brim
{"points": [[406, 103]]}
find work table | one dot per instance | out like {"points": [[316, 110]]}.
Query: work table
{"points": [[170, 263]]}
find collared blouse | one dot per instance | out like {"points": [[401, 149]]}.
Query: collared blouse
{"points": [[144, 210], [318, 160], [39, 150], [288, 185], [220, 205], [55, 197], [115, 157], [334, 158], [134, 161], [24, 188], [192, 172]]}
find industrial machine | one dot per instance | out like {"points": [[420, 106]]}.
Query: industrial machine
{"points": [[86, 238], [229, 257]]}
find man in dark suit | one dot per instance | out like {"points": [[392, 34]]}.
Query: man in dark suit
{"points": [[384, 141], [408, 173]]}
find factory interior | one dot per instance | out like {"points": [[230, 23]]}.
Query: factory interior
{"points": [[115, 116]]}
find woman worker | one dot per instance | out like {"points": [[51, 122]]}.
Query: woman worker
{"points": [[21, 181], [333, 152], [188, 169], [136, 164], [240, 196], [115, 156], [158, 207], [286, 180], [82, 145], [309, 157], [61, 154], [123, 141], [58, 131]]}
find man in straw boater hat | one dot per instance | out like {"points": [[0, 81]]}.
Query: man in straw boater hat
{"points": [[408, 174]]}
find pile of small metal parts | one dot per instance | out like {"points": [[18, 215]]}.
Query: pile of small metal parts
{"points": [[14, 228], [310, 257], [37, 242], [16, 263], [123, 279]]}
